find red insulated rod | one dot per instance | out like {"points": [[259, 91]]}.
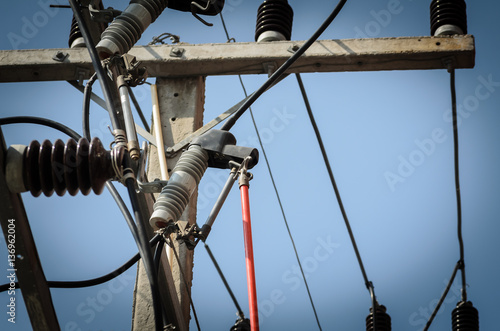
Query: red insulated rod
{"points": [[247, 233]]}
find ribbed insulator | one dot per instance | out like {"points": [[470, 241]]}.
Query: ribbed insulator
{"points": [[127, 28], [465, 317], [274, 21], [75, 35], [383, 320], [62, 167], [448, 17], [175, 196]]}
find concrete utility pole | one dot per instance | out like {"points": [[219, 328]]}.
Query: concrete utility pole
{"points": [[181, 70], [181, 103]]}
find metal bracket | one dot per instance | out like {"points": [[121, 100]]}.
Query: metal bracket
{"points": [[103, 15], [152, 187]]}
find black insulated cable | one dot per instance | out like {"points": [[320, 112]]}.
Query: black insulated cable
{"points": [[101, 74], [368, 283], [281, 70], [138, 109], [87, 93], [443, 297], [94, 281], [185, 283], [226, 284], [457, 181]]}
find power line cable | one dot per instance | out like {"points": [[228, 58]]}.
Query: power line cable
{"points": [[185, 283], [443, 296], [276, 189], [281, 70], [457, 182], [138, 109], [369, 284], [226, 284], [129, 182], [94, 281], [87, 93], [101, 74]]}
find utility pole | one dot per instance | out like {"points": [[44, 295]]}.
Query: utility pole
{"points": [[181, 103], [181, 84]]}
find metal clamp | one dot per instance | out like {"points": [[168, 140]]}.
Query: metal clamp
{"points": [[245, 176]]}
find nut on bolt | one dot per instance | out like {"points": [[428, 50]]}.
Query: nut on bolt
{"points": [[60, 56]]}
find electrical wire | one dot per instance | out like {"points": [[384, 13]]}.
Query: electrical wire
{"points": [[281, 70], [87, 93], [226, 284], [158, 251], [369, 284], [40, 121], [457, 181], [101, 74], [443, 296], [138, 109], [95, 281], [130, 182], [185, 283], [275, 189]]}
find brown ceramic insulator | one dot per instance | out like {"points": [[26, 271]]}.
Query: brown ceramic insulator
{"points": [[67, 167]]}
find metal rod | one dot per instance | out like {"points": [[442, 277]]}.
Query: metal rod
{"points": [[132, 142], [207, 227], [247, 233]]}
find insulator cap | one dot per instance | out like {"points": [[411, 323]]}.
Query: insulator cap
{"points": [[448, 17], [465, 317], [274, 21], [382, 319]]}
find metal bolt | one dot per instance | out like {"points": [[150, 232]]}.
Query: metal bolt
{"points": [[293, 48], [177, 52]]}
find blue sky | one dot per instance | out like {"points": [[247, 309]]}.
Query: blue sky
{"points": [[373, 124]]}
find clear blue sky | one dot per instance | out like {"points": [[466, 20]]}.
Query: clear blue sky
{"points": [[374, 125]]}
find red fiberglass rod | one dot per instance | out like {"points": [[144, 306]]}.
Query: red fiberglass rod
{"points": [[247, 233]]}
